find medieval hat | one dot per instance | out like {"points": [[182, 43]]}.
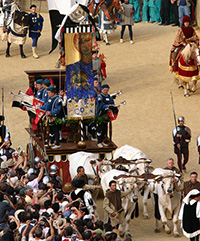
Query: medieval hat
{"points": [[186, 18], [47, 82], [78, 183], [2, 118], [51, 88], [95, 78], [33, 6], [39, 81], [105, 86]]}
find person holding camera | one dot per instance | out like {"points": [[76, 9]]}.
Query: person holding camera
{"points": [[36, 232]]}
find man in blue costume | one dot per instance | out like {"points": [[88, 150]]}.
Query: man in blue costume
{"points": [[103, 101], [53, 109], [35, 28]]}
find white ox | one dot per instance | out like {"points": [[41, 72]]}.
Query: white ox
{"points": [[128, 202], [141, 165], [167, 188], [84, 159]]}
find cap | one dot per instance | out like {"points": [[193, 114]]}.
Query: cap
{"points": [[105, 86], [39, 81], [47, 82], [186, 18], [51, 88], [95, 78]]}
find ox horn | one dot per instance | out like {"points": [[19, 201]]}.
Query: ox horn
{"points": [[121, 176], [92, 162]]}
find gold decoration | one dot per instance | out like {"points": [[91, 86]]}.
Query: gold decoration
{"points": [[185, 68]]}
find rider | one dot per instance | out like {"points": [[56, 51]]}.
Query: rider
{"points": [[6, 8], [185, 35]]}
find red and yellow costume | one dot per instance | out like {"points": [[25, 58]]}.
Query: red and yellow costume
{"points": [[184, 36]]}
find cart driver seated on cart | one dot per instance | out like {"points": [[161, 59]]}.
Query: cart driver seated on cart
{"points": [[53, 109]]}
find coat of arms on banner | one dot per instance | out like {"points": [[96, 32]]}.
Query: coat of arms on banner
{"points": [[79, 75]]}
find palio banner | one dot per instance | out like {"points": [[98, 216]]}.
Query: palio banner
{"points": [[79, 75]]}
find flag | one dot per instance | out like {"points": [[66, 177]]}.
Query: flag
{"points": [[17, 102], [30, 104], [79, 75], [58, 9]]}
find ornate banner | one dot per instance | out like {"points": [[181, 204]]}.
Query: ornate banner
{"points": [[79, 75]]}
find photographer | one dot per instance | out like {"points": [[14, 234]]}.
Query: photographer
{"points": [[33, 181], [6, 150], [37, 234], [4, 207]]}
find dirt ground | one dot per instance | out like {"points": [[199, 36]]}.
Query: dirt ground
{"points": [[141, 72]]}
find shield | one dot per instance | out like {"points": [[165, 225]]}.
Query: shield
{"points": [[78, 15]]}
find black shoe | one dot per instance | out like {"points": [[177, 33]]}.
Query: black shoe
{"points": [[161, 23], [175, 24], [167, 23]]}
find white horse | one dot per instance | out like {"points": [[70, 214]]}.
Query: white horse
{"points": [[188, 64], [17, 30]]}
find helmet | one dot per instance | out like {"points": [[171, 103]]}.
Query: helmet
{"points": [[37, 159], [53, 169], [181, 118]]}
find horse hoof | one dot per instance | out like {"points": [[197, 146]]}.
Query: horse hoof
{"points": [[7, 55], [176, 235], [146, 217], [168, 231], [23, 56], [186, 95], [180, 87], [157, 230], [107, 43]]}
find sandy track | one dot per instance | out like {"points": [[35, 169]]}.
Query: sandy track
{"points": [[141, 71]]}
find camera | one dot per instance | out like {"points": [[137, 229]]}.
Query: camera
{"points": [[33, 221], [44, 160]]}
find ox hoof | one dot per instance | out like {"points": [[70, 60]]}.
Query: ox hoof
{"points": [[176, 235], [23, 56], [146, 217], [107, 43], [186, 95], [157, 230], [168, 231], [128, 235], [7, 55]]}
